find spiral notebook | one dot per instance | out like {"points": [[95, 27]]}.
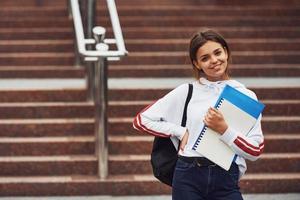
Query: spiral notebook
{"points": [[241, 113]]}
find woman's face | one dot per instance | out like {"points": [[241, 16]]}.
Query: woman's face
{"points": [[213, 60]]}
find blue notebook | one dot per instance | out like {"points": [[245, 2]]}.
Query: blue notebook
{"points": [[240, 113]]}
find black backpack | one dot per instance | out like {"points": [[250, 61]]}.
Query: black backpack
{"points": [[164, 155]]}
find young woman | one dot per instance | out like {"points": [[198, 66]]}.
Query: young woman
{"points": [[195, 177]]}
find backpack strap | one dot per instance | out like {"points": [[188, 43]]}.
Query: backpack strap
{"points": [[188, 98]]}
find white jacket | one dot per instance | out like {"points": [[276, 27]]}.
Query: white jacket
{"points": [[163, 118]]}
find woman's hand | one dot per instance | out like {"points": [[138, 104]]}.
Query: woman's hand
{"points": [[184, 141], [215, 120]]}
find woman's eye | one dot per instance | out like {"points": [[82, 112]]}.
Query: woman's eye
{"points": [[204, 59], [218, 53]]}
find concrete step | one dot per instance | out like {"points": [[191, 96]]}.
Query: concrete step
{"points": [[58, 95], [153, 32], [41, 72], [278, 181], [152, 94], [103, 17], [123, 164], [273, 107], [145, 71], [253, 83], [287, 124], [75, 145], [181, 57], [11, 20], [138, 94], [22, 46], [235, 44], [47, 127], [282, 108], [204, 21], [132, 185], [188, 10], [267, 163], [115, 109], [142, 71], [38, 146], [145, 21], [241, 70], [276, 162], [46, 110], [45, 33], [268, 124], [116, 127], [207, 2], [36, 59], [10, 46], [160, 10], [35, 22], [142, 145], [156, 32], [30, 3], [282, 124], [48, 165], [81, 185], [58, 11], [245, 32]]}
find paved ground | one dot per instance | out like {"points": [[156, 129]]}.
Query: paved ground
{"points": [[246, 197]]}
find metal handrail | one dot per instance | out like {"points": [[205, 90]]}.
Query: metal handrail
{"points": [[97, 73], [82, 42]]}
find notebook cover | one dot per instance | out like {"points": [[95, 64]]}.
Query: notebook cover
{"points": [[241, 113]]}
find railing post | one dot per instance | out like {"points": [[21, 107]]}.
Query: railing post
{"points": [[101, 116], [97, 84], [91, 8], [90, 73], [100, 91], [90, 21], [77, 59], [69, 9]]}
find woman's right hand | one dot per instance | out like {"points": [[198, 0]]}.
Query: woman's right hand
{"points": [[184, 141]]}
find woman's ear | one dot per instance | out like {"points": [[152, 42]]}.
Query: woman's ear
{"points": [[196, 65]]}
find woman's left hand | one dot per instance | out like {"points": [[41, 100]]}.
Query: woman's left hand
{"points": [[215, 120]]}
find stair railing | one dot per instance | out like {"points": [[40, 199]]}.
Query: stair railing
{"points": [[97, 80]]}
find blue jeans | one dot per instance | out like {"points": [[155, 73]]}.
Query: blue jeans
{"points": [[193, 182]]}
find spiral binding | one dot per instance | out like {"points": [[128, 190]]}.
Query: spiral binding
{"points": [[205, 128], [218, 105], [199, 138]]}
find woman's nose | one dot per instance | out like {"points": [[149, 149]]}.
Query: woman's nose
{"points": [[214, 59]]}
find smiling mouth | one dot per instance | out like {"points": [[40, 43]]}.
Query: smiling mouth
{"points": [[216, 66]]}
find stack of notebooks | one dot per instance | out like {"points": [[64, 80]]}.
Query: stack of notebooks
{"points": [[240, 113]]}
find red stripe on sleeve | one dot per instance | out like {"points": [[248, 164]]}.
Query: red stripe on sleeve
{"points": [[138, 125], [135, 121], [252, 151], [152, 132], [250, 145]]}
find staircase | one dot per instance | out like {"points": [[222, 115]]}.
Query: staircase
{"points": [[47, 141]]}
